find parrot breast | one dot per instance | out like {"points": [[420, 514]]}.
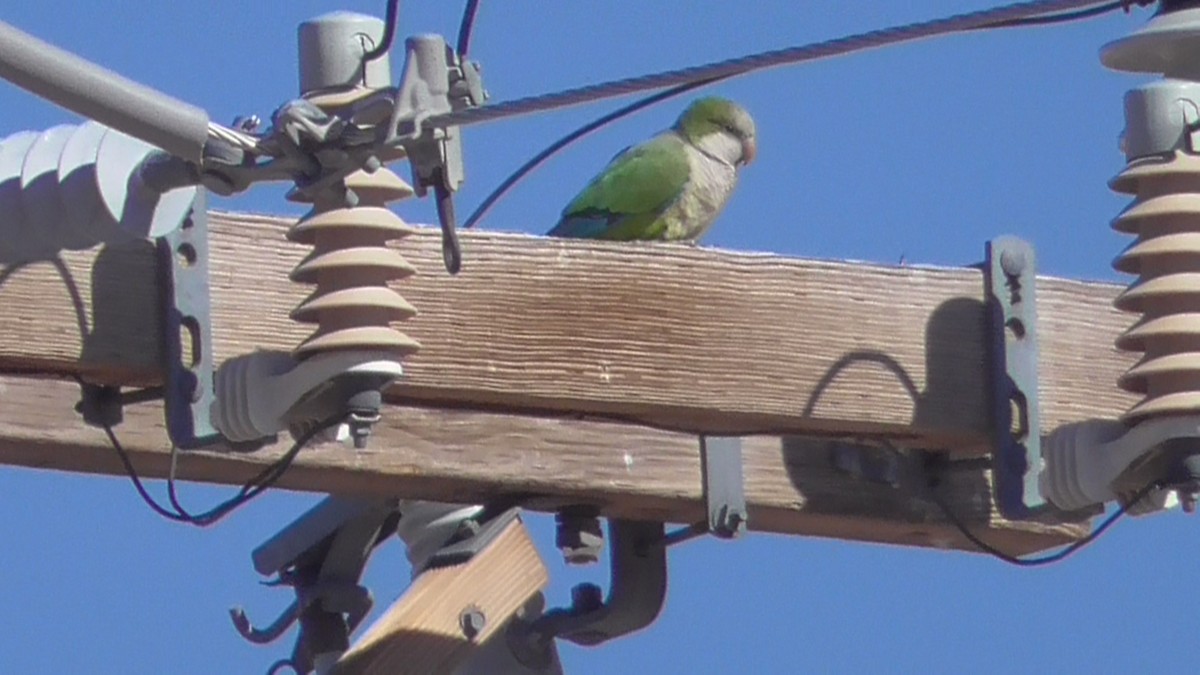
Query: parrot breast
{"points": [[710, 184]]}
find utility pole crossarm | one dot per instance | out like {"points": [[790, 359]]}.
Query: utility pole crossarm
{"points": [[792, 487], [695, 340], [544, 338]]}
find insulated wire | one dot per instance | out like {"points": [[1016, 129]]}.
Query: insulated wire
{"points": [[814, 50]]}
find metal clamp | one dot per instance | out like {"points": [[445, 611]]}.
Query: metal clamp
{"points": [[1010, 283], [321, 555], [636, 595]]}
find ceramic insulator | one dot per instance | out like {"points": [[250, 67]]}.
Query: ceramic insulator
{"points": [[351, 266], [1165, 218]]}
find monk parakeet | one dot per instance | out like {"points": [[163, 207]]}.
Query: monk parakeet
{"points": [[671, 187]]}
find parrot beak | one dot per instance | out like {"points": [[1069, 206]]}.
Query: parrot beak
{"points": [[749, 151]]}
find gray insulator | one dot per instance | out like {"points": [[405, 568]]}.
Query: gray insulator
{"points": [[331, 51], [73, 187]]}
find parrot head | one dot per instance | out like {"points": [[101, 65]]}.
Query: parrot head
{"points": [[720, 128]]}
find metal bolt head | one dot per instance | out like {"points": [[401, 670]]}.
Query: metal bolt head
{"points": [[472, 620], [1013, 262], [579, 537], [586, 597]]}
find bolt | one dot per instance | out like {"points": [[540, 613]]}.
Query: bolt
{"points": [[730, 523], [247, 123], [467, 529], [1013, 262], [472, 621], [586, 597]]}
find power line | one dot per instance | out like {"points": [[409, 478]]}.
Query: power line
{"points": [[261, 482], [1108, 522], [875, 39], [389, 33], [570, 138], [538, 159], [1069, 16], [466, 26]]}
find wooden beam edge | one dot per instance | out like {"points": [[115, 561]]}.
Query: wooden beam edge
{"points": [[631, 472]]}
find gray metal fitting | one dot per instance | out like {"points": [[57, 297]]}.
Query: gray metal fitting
{"points": [[1161, 117], [331, 52]]}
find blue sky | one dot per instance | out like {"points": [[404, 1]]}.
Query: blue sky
{"points": [[923, 151]]}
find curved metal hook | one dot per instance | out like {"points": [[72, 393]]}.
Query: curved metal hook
{"points": [[261, 636]]}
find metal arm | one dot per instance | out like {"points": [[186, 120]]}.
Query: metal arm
{"points": [[92, 91]]}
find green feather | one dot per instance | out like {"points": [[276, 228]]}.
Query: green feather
{"points": [[627, 199]]}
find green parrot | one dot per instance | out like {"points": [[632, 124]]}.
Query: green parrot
{"points": [[671, 187]]}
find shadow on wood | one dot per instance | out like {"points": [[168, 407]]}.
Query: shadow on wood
{"points": [[890, 482]]}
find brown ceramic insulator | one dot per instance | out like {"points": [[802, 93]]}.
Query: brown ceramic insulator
{"points": [[1165, 256], [351, 265]]}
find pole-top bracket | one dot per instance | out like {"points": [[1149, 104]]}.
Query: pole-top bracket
{"points": [[1010, 280]]}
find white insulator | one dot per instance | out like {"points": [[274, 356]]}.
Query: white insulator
{"points": [[1087, 463], [257, 392], [74, 187]]}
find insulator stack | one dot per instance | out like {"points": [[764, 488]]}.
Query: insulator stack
{"points": [[72, 187], [351, 266], [1165, 218]]}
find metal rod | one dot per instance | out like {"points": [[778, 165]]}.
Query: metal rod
{"points": [[100, 94]]}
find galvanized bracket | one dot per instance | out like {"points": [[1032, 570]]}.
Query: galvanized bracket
{"points": [[722, 474], [724, 490], [1010, 280], [321, 555], [474, 535], [183, 265], [635, 598]]}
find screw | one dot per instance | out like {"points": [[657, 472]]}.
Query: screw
{"points": [[472, 620], [1013, 262]]}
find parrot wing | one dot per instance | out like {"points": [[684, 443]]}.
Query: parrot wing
{"points": [[627, 199]]}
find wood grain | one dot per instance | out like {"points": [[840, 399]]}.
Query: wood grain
{"points": [[689, 338], [421, 634], [792, 486]]}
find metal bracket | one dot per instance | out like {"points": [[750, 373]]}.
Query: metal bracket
{"points": [[185, 340], [724, 492], [187, 330], [635, 598], [322, 555], [474, 535], [1010, 283]]}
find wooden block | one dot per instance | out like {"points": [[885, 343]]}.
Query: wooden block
{"points": [[421, 633]]}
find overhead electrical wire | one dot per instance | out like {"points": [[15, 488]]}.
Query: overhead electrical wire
{"points": [[261, 482], [931, 493], [1016, 15], [465, 27], [389, 32], [1062, 553]]}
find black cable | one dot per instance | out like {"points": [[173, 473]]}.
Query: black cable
{"points": [[1065, 17], [261, 482], [389, 32], [611, 117], [465, 27], [570, 138], [1053, 557]]}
